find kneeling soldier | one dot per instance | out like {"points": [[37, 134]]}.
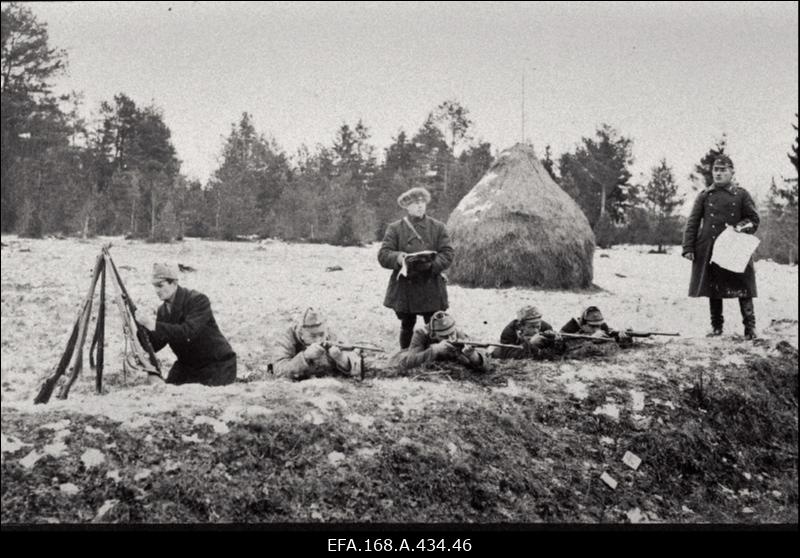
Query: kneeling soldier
{"points": [[440, 340], [186, 323], [536, 336], [309, 349]]}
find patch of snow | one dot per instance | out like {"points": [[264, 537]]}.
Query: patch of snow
{"points": [[314, 417], [325, 402], [335, 458], [92, 430], [577, 389], [30, 460], [732, 360], [56, 449], [69, 489], [367, 452], [92, 458], [218, 426], [113, 475], [257, 411], [512, 389], [104, 509], [637, 400], [610, 410], [10, 445], [635, 515], [194, 439]]}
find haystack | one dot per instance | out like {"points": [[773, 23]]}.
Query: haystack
{"points": [[517, 227]]}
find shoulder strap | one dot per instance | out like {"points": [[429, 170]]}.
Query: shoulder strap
{"points": [[410, 226]]}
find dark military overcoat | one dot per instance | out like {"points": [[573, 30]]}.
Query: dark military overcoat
{"points": [[714, 208], [424, 291]]}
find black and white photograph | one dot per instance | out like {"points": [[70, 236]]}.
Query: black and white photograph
{"points": [[374, 266]]}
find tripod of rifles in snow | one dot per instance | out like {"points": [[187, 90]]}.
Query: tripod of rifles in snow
{"points": [[139, 354]]}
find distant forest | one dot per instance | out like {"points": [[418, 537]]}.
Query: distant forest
{"points": [[121, 175]]}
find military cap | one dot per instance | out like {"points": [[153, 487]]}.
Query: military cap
{"points": [[413, 195], [593, 316], [527, 313], [722, 160], [312, 318], [442, 324], [164, 271]]}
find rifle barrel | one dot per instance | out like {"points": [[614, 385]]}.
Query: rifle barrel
{"points": [[484, 345], [649, 333]]}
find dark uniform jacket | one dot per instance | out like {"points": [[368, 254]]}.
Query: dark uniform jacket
{"points": [[510, 336], [420, 352], [713, 208], [425, 290], [190, 330]]}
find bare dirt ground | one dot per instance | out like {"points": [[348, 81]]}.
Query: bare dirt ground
{"points": [[714, 422]]}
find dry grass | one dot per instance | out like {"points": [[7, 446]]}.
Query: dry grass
{"points": [[516, 227]]}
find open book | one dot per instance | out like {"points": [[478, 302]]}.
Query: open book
{"points": [[417, 262]]}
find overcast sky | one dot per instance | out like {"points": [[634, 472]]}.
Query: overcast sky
{"points": [[673, 76]]}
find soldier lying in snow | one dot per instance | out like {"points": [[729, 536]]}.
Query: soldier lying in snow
{"points": [[592, 323], [537, 338], [440, 340], [309, 349]]}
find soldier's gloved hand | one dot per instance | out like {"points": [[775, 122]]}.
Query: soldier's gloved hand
{"points": [[401, 257], [314, 351], [538, 340], [339, 357], [470, 352], [623, 336], [442, 348], [689, 256], [599, 333], [743, 226]]}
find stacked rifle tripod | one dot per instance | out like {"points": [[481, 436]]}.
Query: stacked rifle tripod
{"points": [[139, 354]]}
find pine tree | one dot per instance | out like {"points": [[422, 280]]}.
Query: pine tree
{"points": [[662, 199]]}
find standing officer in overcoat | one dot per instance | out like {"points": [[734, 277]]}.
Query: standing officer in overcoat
{"points": [[417, 288], [719, 205]]}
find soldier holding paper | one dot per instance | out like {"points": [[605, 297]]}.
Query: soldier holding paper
{"points": [[716, 207]]}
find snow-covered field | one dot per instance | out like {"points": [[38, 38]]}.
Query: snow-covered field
{"points": [[569, 421], [257, 290]]}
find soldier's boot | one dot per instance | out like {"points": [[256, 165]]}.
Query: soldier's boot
{"points": [[748, 317], [405, 337], [717, 320]]}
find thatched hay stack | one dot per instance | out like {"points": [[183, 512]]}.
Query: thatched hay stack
{"points": [[516, 227]]}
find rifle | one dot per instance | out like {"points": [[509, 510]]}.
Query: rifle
{"points": [[631, 333], [587, 337], [327, 345], [480, 345], [140, 330]]}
